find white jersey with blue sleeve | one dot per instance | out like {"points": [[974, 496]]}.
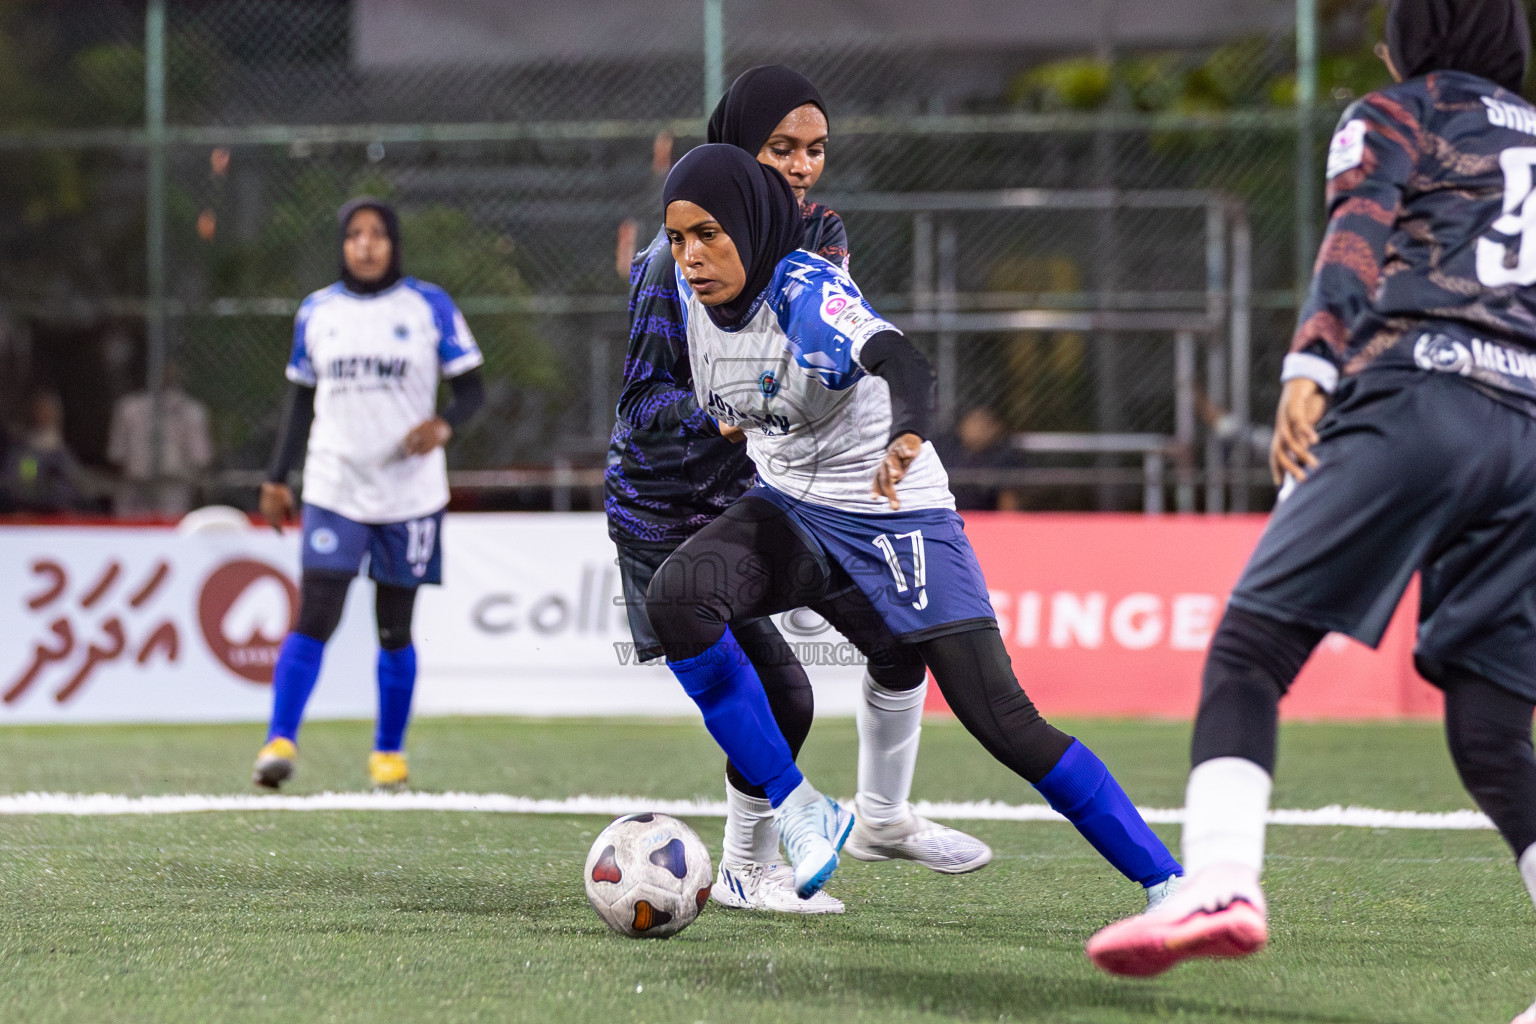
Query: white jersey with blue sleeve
{"points": [[817, 423], [375, 362]]}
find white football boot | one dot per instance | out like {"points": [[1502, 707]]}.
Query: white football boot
{"points": [[915, 838], [1528, 1017], [813, 829], [1167, 887], [767, 887]]}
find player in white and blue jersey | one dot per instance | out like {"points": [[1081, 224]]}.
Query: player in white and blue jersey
{"points": [[853, 517], [368, 353]]}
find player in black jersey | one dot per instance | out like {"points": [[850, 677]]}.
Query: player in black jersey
{"points": [[1421, 323], [671, 472]]}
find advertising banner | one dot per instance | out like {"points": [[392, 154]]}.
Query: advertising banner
{"points": [[1111, 615], [108, 624], [1103, 615]]}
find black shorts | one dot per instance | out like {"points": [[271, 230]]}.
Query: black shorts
{"points": [[637, 566], [1418, 472]]}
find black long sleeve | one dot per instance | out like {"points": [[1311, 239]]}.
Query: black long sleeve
{"points": [[892, 357], [467, 396], [293, 432]]}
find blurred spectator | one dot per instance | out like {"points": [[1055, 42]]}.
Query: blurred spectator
{"points": [[41, 474], [979, 443], [185, 450]]}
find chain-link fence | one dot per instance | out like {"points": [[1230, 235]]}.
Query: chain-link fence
{"points": [[1097, 240]]}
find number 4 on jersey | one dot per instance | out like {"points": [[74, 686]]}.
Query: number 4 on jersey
{"points": [[887, 547]]}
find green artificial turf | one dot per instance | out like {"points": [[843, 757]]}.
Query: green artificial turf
{"points": [[406, 916]]}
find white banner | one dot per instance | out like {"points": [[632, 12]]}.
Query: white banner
{"points": [[531, 620], [146, 625]]}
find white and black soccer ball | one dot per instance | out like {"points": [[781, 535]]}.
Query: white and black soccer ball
{"points": [[648, 875]]}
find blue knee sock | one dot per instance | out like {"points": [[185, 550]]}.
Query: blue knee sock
{"points": [[723, 683], [293, 680], [397, 681], [1081, 789]]}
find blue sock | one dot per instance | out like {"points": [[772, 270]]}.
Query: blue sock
{"points": [[723, 683], [397, 681], [293, 680], [1081, 789]]}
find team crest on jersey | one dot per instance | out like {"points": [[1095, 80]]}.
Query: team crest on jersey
{"points": [[768, 382], [1441, 354], [402, 332]]}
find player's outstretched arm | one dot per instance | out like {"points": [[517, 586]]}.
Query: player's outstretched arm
{"points": [[468, 395], [892, 357], [898, 457], [1302, 404], [277, 503], [657, 397]]}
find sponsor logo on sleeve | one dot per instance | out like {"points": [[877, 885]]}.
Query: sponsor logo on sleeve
{"points": [[847, 315], [1347, 150]]}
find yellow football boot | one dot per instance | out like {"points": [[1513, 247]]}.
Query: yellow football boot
{"points": [[274, 763], [387, 769]]}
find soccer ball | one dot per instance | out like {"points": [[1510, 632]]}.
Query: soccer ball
{"points": [[648, 875]]}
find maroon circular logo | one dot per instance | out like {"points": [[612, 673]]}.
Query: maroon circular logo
{"points": [[245, 610]]}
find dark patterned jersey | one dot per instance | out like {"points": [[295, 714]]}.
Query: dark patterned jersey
{"points": [[1425, 262], [669, 471]]}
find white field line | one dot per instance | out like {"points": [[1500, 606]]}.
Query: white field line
{"points": [[105, 804]]}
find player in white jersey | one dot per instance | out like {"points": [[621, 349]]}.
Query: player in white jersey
{"points": [[853, 518], [368, 353]]}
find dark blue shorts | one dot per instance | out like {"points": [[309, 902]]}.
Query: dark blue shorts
{"points": [[917, 568], [1418, 472], [404, 554], [637, 567]]}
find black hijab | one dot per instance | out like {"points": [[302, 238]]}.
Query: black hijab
{"points": [[756, 102], [1488, 38], [391, 228], [753, 204]]}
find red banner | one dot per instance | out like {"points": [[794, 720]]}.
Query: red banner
{"points": [[1111, 615]]}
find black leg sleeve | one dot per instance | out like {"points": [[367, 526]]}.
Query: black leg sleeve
{"points": [[1252, 662], [1489, 733], [784, 682], [892, 664], [748, 563], [976, 677], [393, 609], [321, 599]]}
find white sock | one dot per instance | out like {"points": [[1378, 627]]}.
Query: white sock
{"points": [[751, 834], [803, 794], [1528, 870], [890, 722], [1224, 809]]}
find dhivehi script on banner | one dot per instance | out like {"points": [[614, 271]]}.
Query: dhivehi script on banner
{"points": [[141, 624]]}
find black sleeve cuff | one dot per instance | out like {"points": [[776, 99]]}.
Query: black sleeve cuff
{"points": [[468, 396], [292, 432], [892, 357]]}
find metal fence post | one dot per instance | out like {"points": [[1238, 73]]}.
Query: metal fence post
{"points": [[1240, 335], [948, 341], [714, 53], [154, 232], [1184, 417], [1306, 173]]}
